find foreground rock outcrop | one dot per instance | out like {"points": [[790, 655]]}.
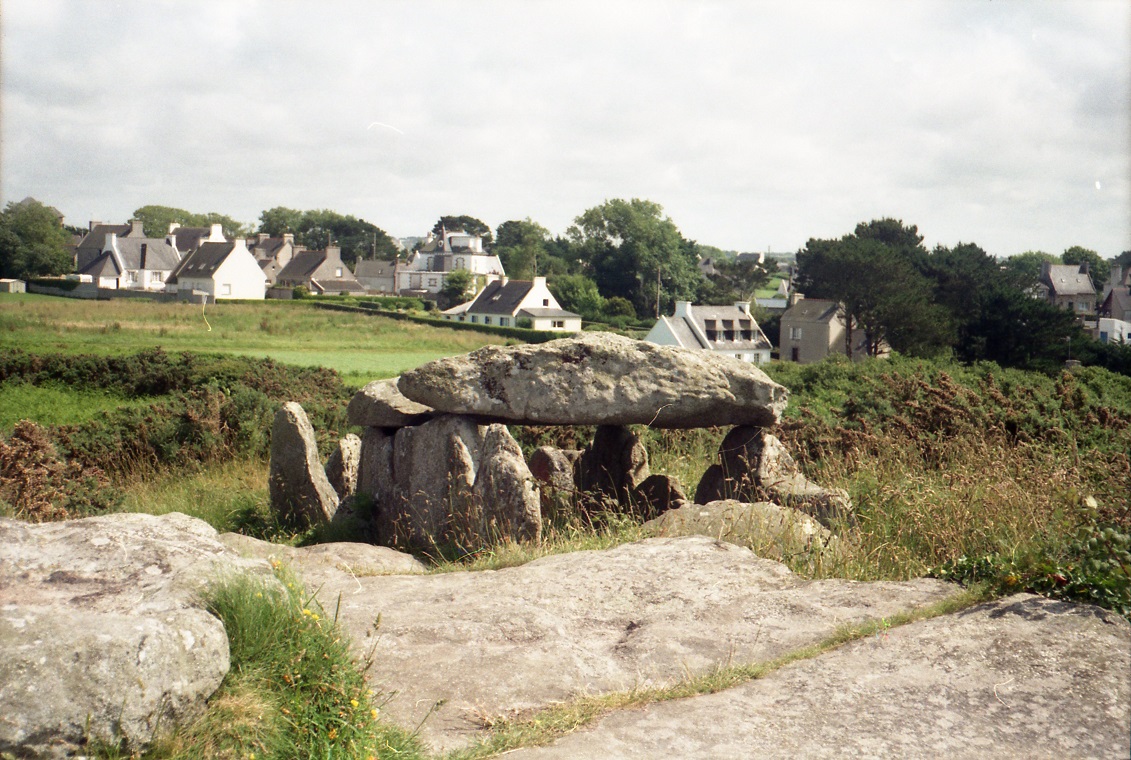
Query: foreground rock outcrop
{"points": [[652, 612], [598, 379], [1022, 677], [102, 632]]}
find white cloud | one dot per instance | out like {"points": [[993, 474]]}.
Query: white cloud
{"points": [[754, 124]]}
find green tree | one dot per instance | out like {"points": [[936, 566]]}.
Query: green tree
{"points": [[633, 251], [1024, 269], [884, 293], [464, 223], [456, 287], [735, 281], [1098, 268], [520, 246], [32, 242], [319, 228], [579, 294], [156, 220]]}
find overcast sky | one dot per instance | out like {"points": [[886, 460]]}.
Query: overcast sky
{"points": [[756, 125]]}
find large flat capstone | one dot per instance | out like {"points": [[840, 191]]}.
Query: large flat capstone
{"points": [[653, 612], [598, 379], [1022, 677]]}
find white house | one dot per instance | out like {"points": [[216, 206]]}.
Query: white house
{"points": [[427, 268], [504, 302], [727, 330], [131, 261], [219, 271]]}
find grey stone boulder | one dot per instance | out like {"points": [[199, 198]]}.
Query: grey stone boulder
{"points": [[511, 504], [1022, 677], [453, 479], [656, 495], [755, 466], [102, 631], [318, 563], [342, 466], [613, 465], [598, 379], [381, 404], [299, 489], [554, 469], [653, 612], [769, 530]]}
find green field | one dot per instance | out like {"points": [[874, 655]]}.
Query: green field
{"points": [[359, 346]]}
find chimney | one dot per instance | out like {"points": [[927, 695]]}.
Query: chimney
{"points": [[261, 237], [289, 237], [173, 227], [217, 233], [136, 228], [504, 280], [743, 306], [333, 253], [682, 308], [539, 282], [93, 224]]}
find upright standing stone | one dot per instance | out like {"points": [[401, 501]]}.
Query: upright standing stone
{"points": [[504, 487], [342, 466], [299, 489], [614, 464]]}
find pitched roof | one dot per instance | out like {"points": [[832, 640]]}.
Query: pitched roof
{"points": [[103, 266], [544, 313], [156, 252], [499, 298], [373, 268], [303, 265], [203, 262], [727, 327], [266, 248], [812, 310], [96, 237], [1068, 280]]}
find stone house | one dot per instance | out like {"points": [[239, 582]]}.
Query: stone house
{"points": [[813, 328], [727, 330], [188, 239], [428, 267], [219, 271], [376, 275], [322, 272], [1068, 286], [503, 302], [273, 253], [93, 243], [1114, 324]]}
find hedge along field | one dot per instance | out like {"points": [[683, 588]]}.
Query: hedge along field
{"points": [[361, 347]]}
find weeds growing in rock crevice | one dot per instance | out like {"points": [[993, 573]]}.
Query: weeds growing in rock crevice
{"points": [[294, 690]]}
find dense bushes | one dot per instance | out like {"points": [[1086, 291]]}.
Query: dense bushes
{"points": [[205, 409]]}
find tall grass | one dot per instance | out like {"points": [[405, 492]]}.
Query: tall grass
{"points": [[294, 690]]}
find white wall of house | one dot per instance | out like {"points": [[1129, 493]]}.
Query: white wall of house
{"points": [[567, 324], [1113, 331], [238, 277]]}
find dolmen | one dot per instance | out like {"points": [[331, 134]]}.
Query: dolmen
{"points": [[437, 462]]}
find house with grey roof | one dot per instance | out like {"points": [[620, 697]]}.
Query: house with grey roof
{"points": [[131, 261], [728, 330], [376, 275], [188, 239], [1114, 323], [428, 267], [218, 271], [1068, 286], [93, 243], [322, 272], [814, 328], [511, 303], [273, 253]]}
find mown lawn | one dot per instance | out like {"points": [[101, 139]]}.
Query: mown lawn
{"points": [[359, 346]]}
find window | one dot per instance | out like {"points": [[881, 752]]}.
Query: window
{"points": [[338, 272], [486, 320], [545, 301], [504, 321], [431, 282], [795, 334], [474, 318], [558, 324], [795, 354], [226, 289]]}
